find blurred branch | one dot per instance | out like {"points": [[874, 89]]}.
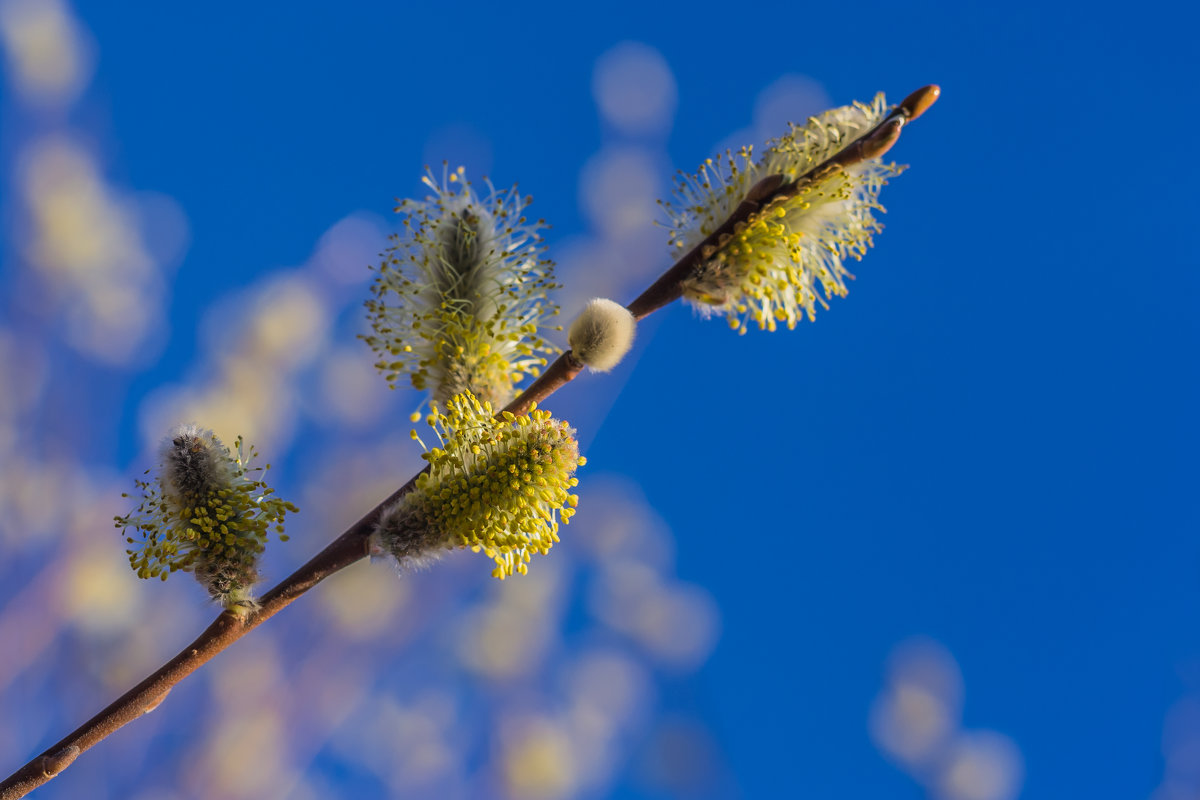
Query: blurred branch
{"points": [[352, 545]]}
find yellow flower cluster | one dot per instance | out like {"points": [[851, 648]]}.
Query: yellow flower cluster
{"points": [[208, 512], [461, 299], [777, 266], [498, 486]]}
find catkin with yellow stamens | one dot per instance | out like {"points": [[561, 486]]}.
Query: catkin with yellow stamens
{"points": [[462, 298], [789, 256], [499, 486], [206, 511]]}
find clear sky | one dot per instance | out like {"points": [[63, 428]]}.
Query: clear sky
{"points": [[941, 542]]}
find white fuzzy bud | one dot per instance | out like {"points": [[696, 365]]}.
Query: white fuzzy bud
{"points": [[602, 334]]}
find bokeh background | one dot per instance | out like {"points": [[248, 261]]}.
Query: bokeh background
{"points": [[941, 543]]}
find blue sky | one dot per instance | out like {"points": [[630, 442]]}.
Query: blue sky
{"points": [[989, 443]]}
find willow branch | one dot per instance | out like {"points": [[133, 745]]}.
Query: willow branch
{"points": [[351, 546]]}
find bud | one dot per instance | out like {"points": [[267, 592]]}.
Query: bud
{"points": [[461, 300], [207, 511], [602, 334], [788, 256], [496, 485]]}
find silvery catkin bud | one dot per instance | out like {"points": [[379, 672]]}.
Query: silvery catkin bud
{"points": [[206, 511], [497, 485], [602, 334]]}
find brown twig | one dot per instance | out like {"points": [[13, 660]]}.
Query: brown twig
{"points": [[561, 372], [352, 545]]}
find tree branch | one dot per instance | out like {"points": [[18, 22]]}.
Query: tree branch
{"points": [[352, 545]]}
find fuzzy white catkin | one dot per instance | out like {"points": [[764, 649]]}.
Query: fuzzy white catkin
{"points": [[602, 334]]}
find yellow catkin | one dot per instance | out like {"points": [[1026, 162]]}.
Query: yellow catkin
{"points": [[789, 257], [462, 297], [498, 486], [207, 511]]}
